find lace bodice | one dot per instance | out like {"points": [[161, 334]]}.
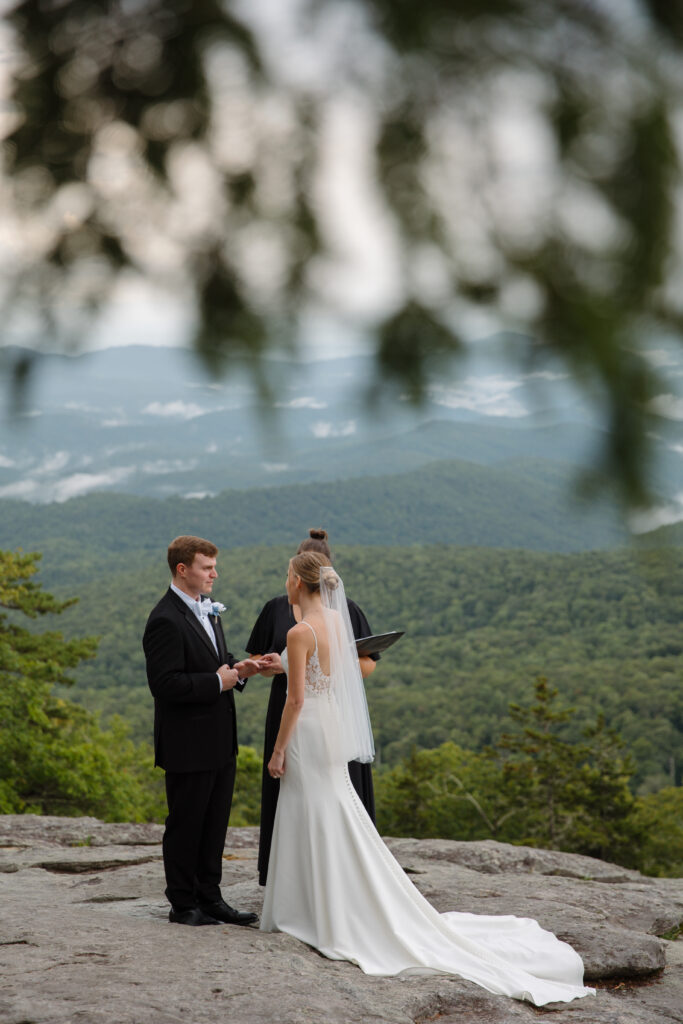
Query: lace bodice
{"points": [[315, 680]]}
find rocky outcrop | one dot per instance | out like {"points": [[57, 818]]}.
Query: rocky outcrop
{"points": [[84, 936]]}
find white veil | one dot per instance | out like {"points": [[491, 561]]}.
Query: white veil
{"points": [[347, 682]]}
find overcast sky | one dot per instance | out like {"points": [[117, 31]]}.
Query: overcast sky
{"points": [[361, 277]]}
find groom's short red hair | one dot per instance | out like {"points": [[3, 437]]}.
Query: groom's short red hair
{"points": [[183, 549]]}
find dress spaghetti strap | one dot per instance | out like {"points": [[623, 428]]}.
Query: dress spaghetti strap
{"points": [[315, 635]]}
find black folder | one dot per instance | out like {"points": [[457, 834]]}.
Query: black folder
{"points": [[374, 644]]}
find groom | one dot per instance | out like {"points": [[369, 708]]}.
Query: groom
{"points": [[191, 674]]}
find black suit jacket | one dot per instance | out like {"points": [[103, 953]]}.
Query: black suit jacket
{"points": [[194, 723]]}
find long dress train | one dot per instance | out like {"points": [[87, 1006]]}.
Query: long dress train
{"points": [[333, 884]]}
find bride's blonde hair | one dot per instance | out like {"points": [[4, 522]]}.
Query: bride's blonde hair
{"points": [[307, 566]]}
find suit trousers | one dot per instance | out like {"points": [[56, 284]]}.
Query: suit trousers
{"points": [[194, 839]]}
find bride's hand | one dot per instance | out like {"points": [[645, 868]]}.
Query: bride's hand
{"points": [[276, 765], [270, 665]]}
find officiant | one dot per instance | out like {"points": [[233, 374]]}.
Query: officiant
{"points": [[269, 636]]}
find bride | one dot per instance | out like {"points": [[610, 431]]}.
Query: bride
{"points": [[332, 882]]}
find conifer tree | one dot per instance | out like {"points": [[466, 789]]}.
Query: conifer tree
{"points": [[54, 758], [568, 796]]}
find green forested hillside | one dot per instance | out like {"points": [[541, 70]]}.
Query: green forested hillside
{"points": [[480, 626], [667, 536], [524, 505]]}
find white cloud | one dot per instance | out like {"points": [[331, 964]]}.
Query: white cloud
{"points": [[206, 385], [132, 446], [546, 375], [491, 396], [6, 463], [323, 429], [80, 407], [81, 483], [116, 421], [198, 495], [68, 487], [53, 463], [177, 410], [669, 406], [162, 466], [19, 489], [306, 402], [275, 467], [645, 520]]}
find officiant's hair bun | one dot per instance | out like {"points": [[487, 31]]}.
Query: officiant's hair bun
{"points": [[307, 565], [316, 541]]}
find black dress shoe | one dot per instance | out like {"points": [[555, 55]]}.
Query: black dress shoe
{"points": [[194, 916], [223, 912]]}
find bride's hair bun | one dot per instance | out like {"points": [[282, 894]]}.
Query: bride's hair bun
{"points": [[329, 577], [318, 534]]}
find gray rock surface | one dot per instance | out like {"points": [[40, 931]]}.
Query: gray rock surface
{"points": [[84, 936]]}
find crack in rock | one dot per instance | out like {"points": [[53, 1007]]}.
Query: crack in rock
{"points": [[70, 867], [108, 899]]}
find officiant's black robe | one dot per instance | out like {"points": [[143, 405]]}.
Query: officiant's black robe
{"points": [[270, 635], [195, 742]]}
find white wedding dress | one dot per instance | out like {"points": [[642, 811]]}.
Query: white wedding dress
{"points": [[333, 884]]}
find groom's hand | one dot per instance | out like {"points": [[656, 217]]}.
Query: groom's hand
{"points": [[246, 668], [228, 677]]}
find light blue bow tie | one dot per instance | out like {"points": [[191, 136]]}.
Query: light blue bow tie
{"points": [[204, 608]]}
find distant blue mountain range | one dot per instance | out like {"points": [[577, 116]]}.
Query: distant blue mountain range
{"points": [[148, 421]]}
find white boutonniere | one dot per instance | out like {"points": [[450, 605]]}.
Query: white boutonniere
{"points": [[212, 608]]}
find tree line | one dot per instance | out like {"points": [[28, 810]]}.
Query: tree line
{"points": [[533, 786], [480, 624]]}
